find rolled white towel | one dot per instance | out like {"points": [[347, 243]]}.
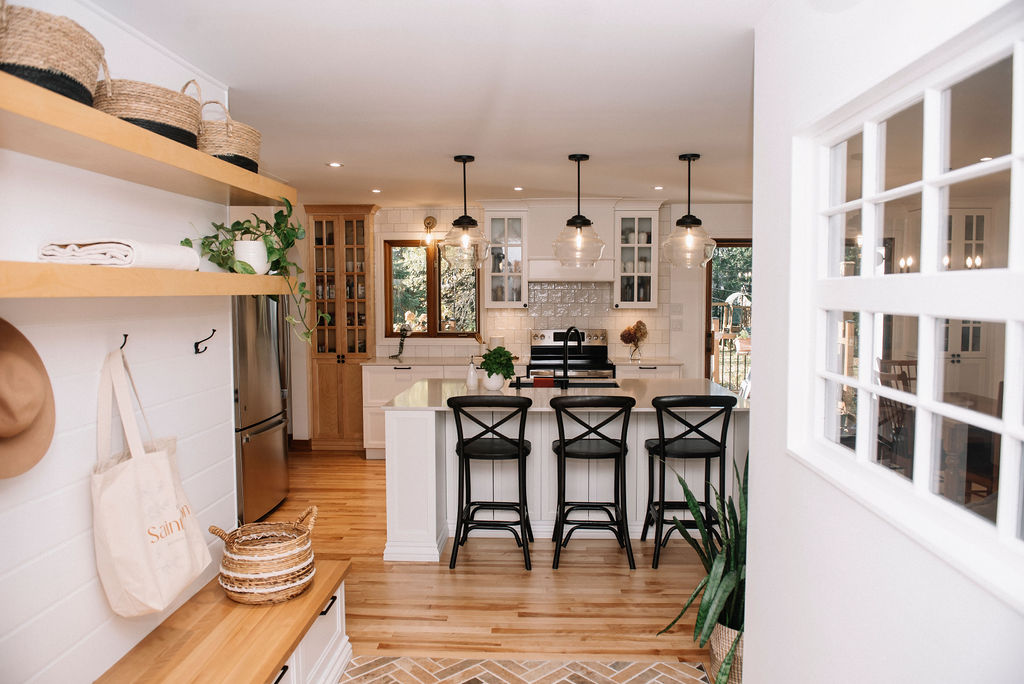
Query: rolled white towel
{"points": [[124, 253]]}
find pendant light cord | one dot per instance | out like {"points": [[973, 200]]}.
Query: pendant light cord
{"points": [[578, 211], [688, 162], [464, 204]]}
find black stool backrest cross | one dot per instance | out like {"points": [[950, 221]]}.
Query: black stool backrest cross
{"points": [[664, 406], [489, 442], [571, 407]]}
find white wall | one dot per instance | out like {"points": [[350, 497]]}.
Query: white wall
{"points": [[835, 593], [55, 625]]}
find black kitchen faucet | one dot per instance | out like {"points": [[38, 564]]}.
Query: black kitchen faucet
{"points": [[565, 352]]}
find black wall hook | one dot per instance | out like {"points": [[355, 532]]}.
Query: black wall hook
{"points": [[125, 340], [213, 332]]}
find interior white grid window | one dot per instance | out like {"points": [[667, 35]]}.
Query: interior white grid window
{"points": [[915, 311]]}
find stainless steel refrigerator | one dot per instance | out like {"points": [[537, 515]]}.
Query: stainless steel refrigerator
{"points": [[261, 419]]}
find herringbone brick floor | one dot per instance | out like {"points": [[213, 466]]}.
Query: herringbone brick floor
{"points": [[374, 669]]}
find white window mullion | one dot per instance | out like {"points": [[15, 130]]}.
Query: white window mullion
{"points": [[1015, 257], [936, 151]]}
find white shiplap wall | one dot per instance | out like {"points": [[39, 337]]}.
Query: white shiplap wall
{"points": [[55, 625]]}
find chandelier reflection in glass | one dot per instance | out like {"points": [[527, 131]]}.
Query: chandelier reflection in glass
{"points": [[465, 246], [688, 244], [578, 244]]}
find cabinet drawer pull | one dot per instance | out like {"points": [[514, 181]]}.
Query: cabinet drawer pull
{"points": [[330, 604], [401, 367], [281, 675], [648, 368]]}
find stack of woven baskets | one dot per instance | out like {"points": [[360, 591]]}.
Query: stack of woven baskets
{"points": [[268, 562], [58, 54]]}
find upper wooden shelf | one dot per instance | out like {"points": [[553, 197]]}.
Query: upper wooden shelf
{"points": [[41, 123], [39, 280]]}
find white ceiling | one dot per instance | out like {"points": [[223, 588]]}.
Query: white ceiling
{"points": [[395, 88]]}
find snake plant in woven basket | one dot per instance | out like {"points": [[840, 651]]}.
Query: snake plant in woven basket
{"points": [[724, 556]]}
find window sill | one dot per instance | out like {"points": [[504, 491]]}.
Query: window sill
{"points": [[956, 536]]}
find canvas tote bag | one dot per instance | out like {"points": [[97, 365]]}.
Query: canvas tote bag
{"points": [[149, 546]]}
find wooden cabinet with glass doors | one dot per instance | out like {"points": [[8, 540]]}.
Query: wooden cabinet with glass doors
{"points": [[340, 239]]}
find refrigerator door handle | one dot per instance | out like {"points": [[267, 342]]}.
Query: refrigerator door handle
{"points": [[252, 433]]}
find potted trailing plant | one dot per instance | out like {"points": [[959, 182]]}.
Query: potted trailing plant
{"points": [[497, 363], [221, 248], [722, 592]]}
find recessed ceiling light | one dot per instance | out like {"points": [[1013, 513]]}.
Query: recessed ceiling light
{"points": [[985, 159], [334, 165], [659, 187], [517, 189], [375, 190]]}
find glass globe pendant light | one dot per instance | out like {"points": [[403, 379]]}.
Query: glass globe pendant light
{"points": [[467, 242], [578, 244], [688, 244]]}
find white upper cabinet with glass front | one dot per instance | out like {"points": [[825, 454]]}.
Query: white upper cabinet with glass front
{"points": [[505, 271], [636, 258]]}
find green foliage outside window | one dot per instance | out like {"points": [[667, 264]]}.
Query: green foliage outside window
{"points": [[410, 292]]}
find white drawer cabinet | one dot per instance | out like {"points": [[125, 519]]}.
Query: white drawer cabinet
{"points": [[647, 371], [380, 385], [321, 656]]}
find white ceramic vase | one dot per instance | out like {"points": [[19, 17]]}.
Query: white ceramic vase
{"points": [[254, 253], [494, 382]]}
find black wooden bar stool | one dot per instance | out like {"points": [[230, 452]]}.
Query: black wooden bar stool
{"points": [[592, 443], [684, 446], [490, 445]]}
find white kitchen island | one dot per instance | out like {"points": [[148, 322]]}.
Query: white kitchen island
{"points": [[421, 467]]}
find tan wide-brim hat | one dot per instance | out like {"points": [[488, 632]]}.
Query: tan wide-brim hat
{"points": [[26, 403]]}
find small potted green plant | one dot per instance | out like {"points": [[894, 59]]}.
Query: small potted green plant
{"points": [[222, 248], [722, 592], [497, 363]]}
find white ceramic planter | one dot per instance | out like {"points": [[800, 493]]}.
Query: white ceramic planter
{"points": [[494, 382], [254, 253]]}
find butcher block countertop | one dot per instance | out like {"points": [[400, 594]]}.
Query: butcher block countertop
{"points": [[214, 639]]}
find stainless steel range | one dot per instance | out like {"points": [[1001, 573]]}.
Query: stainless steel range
{"points": [[583, 353]]}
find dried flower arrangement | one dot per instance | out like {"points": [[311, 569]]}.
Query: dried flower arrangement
{"points": [[634, 335]]}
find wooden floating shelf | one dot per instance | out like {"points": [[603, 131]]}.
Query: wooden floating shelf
{"points": [[43, 124], [27, 279]]}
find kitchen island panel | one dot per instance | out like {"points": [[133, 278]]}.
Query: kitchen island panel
{"points": [[422, 468]]}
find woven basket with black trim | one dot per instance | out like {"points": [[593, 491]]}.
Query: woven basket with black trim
{"points": [[51, 51], [172, 114], [230, 140]]}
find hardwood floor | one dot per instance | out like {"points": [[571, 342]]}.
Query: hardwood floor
{"points": [[593, 607]]}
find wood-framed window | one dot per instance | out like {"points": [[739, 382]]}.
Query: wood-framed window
{"points": [[911, 384], [428, 295]]}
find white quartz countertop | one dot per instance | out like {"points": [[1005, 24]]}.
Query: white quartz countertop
{"points": [[460, 360], [433, 394], [463, 359]]}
